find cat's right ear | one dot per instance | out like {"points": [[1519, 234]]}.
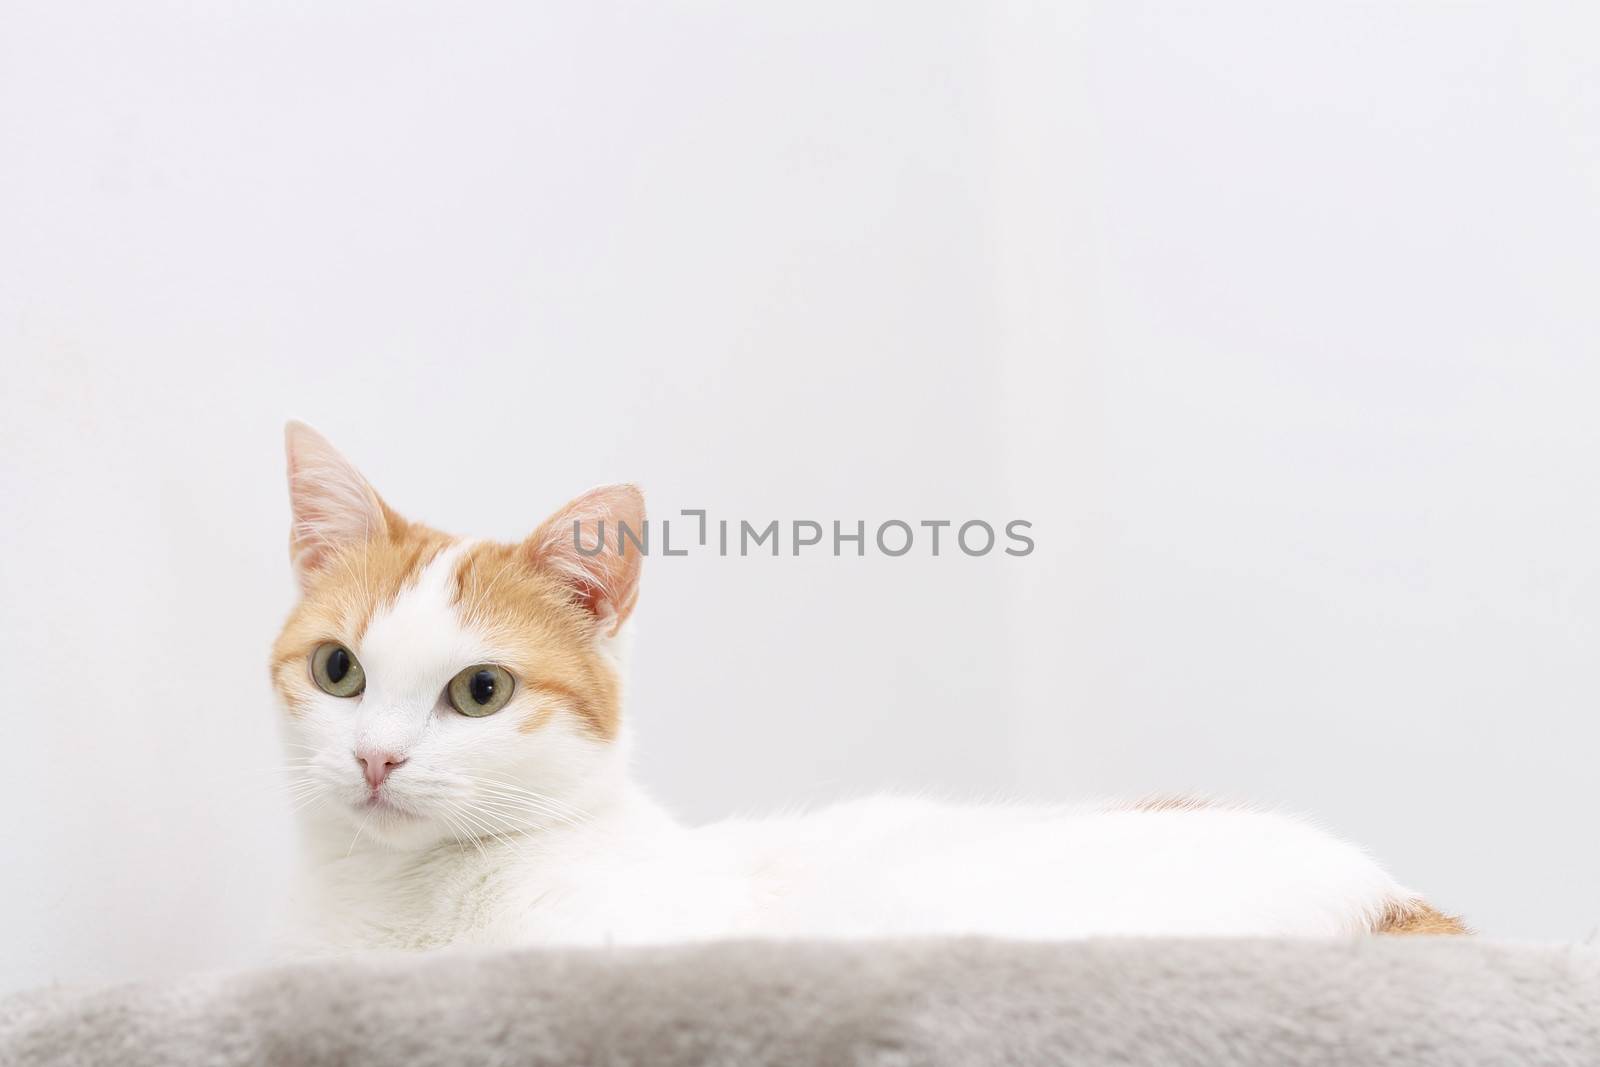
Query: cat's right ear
{"points": [[332, 504]]}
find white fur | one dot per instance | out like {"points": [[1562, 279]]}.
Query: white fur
{"points": [[541, 838]]}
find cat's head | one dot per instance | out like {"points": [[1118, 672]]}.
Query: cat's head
{"points": [[438, 688]]}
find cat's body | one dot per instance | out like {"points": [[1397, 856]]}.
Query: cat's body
{"points": [[874, 867], [455, 712]]}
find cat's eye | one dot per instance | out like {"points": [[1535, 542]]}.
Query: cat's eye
{"points": [[336, 671], [481, 690]]}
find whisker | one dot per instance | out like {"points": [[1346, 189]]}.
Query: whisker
{"points": [[522, 804], [532, 794], [455, 833], [461, 814], [313, 799], [359, 828], [532, 804]]}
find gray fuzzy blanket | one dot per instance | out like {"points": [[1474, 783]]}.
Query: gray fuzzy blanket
{"points": [[1376, 1000]]}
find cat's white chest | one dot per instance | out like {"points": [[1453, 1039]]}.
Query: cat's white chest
{"points": [[387, 901], [652, 884]]}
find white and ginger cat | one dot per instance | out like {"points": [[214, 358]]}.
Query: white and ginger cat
{"points": [[458, 746]]}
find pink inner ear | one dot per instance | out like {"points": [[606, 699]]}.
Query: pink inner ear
{"points": [[333, 504], [604, 581]]}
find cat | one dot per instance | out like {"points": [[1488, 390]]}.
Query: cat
{"points": [[458, 748]]}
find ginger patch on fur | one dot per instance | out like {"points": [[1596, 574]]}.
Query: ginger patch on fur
{"points": [[1418, 918]]}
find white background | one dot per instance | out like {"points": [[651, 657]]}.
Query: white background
{"points": [[1278, 321]]}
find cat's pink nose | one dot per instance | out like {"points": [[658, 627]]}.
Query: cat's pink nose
{"points": [[377, 764]]}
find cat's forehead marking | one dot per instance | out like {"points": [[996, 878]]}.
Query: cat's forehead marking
{"points": [[371, 578], [420, 631]]}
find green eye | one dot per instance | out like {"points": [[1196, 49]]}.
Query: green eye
{"points": [[336, 671], [481, 690]]}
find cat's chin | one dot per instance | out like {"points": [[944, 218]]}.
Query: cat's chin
{"points": [[382, 821], [381, 807]]}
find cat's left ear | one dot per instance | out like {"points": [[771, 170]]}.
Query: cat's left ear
{"points": [[333, 504], [593, 545]]}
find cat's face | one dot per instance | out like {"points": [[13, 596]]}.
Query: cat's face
{"points": [[442, 689]]}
